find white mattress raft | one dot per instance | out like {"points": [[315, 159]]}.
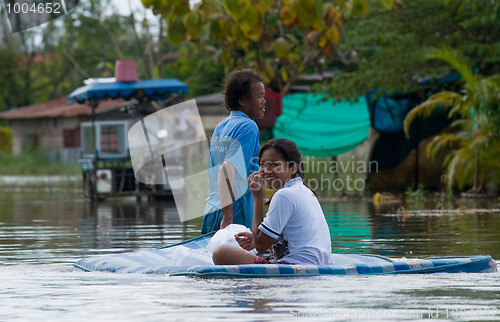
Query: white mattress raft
{"points": [[194, 257]]}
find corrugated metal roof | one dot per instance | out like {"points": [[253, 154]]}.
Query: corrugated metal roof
{"points": [[60, 108]]}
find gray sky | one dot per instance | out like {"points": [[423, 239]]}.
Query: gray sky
{"points": [[123, 6]]}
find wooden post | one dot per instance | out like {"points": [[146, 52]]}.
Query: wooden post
{"points": [[93, 179]]}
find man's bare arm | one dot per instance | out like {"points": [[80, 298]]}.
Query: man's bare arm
{"points": [[226, 187]]}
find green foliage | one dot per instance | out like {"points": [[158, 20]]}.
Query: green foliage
{"points": [[433, 104], [34, 163], [475, 153], [388, 49], [5, 138], [417, 196], [198, 69], [281, 39], [89, 42], [52, 60]]}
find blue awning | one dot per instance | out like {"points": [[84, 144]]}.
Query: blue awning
{"points": [[151, 89]]}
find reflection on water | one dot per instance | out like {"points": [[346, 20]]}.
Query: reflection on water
{"points": [[48, 227], [43, 232], [133, 225], [350, 226], [395, 231]]}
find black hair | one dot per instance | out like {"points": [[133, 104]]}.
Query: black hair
{"points": [[290, 153], [239, 86]]}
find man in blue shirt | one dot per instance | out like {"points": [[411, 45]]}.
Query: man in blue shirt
{"points": [[234, 149]]}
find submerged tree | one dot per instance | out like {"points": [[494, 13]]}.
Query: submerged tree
{"points": [[475, 154]]}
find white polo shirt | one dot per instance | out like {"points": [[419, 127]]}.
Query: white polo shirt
{"points": [[295, 219]]}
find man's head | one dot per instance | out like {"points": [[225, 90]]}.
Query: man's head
{"points": [[244, 92]]}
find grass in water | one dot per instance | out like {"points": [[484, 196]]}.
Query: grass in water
{"points": [[35, 163]]}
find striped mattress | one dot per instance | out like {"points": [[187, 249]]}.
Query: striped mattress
{"points": [[192, 258]]}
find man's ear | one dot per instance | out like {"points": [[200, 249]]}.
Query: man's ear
{"points": [[242, 102]]}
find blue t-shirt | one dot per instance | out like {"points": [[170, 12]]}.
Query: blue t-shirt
{"points": [[235, 139]]}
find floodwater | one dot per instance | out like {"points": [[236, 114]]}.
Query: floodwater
{"points": [[42, 232]]}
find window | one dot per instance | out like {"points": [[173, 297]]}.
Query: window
{"points": [[111, 137], [88, 140], [71, 138]]}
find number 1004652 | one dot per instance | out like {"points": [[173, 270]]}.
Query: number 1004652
{"points": [[34, 8]]}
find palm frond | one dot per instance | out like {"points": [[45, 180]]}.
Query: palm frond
{"points": [[476, 121], [487, 92], [439, 142], [430, 107], [461, 123], [455, 60], [464, 109], [450, 171], [464, 167]]}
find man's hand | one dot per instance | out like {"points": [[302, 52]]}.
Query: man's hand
{"points": [[225, 186], [225, 222]]}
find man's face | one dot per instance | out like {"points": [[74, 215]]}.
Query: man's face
{"points": [[255, 105]]}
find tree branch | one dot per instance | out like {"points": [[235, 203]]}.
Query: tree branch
{"points": [[75, 64], [113, 41]]}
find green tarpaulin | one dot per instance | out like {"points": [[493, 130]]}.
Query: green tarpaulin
{"points": [[322, 128]]}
